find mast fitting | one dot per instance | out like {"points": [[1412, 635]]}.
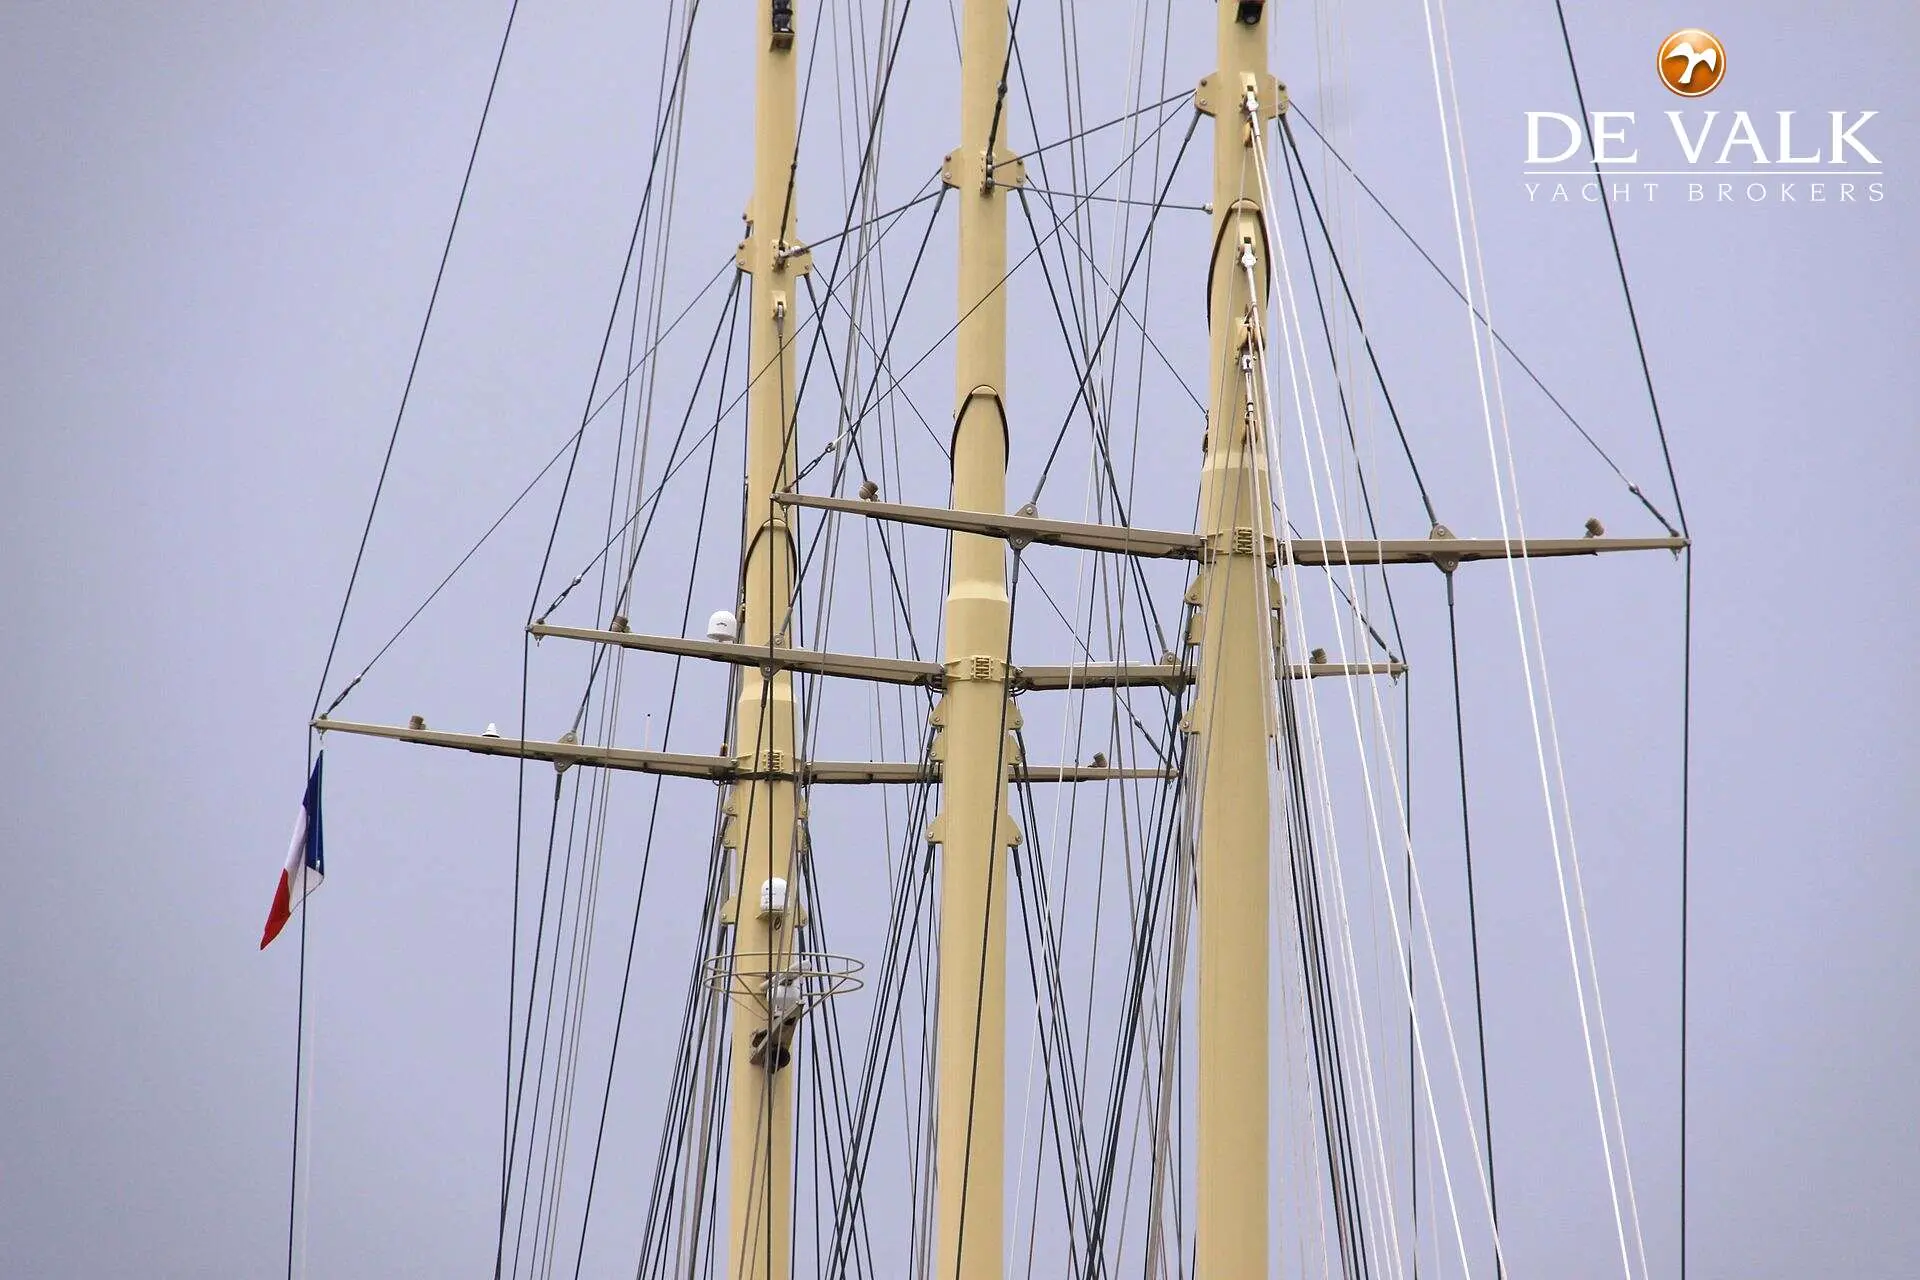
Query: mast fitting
{"points": [[1267, 91], [962, 169]]}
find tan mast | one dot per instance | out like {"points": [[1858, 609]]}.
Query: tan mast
{"points": [[1236, 615], [974, 828], [762, 827], [1229, 714]]}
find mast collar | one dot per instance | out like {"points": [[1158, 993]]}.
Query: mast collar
{"points": [[964, 169], [1218, 93]]}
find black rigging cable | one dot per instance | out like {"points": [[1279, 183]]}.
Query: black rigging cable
{"points": [[1107, 327], [954, 327], [511, 507], [509, 1105], [353, 577], [1686, 669], [1292, 154], [413, 367], [646, 854], [1293, 109], [1473, 926]]}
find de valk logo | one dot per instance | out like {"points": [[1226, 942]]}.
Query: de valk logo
{"points": [[1775, 155]]}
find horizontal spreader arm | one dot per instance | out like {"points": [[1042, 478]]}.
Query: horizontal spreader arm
{"points": [[810, 661], [1093, 675], [1112, 675], [1020, 531], [712, 768]]}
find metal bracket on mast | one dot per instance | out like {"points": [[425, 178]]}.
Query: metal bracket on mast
{"points": [[1267, 90], [970, 170]]}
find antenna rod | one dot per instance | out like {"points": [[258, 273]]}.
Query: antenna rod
{"points": [[1237, 629], [974, 827], [762, 829]]}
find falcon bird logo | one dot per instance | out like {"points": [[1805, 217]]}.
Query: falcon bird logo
{"points": [[1692, 62]]}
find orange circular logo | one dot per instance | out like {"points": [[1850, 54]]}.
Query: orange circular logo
{"points": [[1692, 62]]}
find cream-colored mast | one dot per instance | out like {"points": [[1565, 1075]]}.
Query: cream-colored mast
{"points": [[762, 828], [1230, 709], [974, 828]]}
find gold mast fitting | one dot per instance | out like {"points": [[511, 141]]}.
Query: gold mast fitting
{"points": [[762, 830], [974, 828], [1235, 629]]}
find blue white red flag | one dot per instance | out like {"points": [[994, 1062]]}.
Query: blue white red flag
{"points": [[306, 860]]}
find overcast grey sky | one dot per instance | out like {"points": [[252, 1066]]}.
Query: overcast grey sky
{"points": [[221, 222]]}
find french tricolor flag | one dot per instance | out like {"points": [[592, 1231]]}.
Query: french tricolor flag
{"points": [[306, 860]]}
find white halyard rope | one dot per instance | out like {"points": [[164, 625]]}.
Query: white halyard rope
{"points": [[1308, 411], [1467, 232]]}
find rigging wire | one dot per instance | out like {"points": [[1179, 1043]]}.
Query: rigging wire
{"points": [[1106, 328], [353, 577], [511, 507], [1290, 155], [1532, 648], [954, 327], [1473, 921], [1686, 644], [1293, 109], [646, 855], [1301, 378], [413, 367], [509, 1103]]}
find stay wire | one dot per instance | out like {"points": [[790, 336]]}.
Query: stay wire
{"points": [[1107, 328], [1293, 109], [1292, 154], [646, 862], [1473, 922], [1085, 362], [1184, 95], [513, 506], [353, 578], [1686, 679], [1346, 414], [509, 1107], [413, 368], [955, 326]]}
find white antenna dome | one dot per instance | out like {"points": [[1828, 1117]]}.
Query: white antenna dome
{"points": [[722, 626], [773, 896]]}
